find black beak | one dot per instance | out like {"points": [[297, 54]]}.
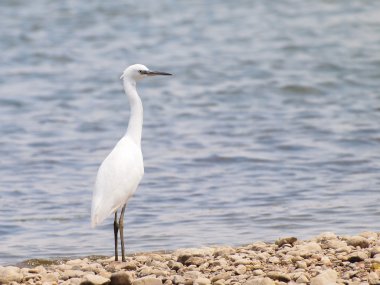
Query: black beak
{"points": [[153, 73]]}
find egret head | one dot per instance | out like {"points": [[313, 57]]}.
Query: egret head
{"points": [[138, 71]]}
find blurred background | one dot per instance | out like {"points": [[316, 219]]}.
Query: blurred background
{"points": [[269, 128]]}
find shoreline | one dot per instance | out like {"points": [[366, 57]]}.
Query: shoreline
{"points": [[324, 259]]}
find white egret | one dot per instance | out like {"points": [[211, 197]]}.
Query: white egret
{"points": [[120, 173]]}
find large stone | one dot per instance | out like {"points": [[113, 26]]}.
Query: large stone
{"points": [[121, 278], [223, 275], [327, 277], [259, 281], [147, 281], [275, 275], [202, 281], [357, 256], [287, 240], [9, 274], [358, 241], [96, 279]]}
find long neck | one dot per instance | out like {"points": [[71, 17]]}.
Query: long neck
{"points": [[136, 116]]}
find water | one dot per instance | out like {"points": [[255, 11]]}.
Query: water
{"points": [[269, 128]]}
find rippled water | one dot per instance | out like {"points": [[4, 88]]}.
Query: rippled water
{"points": [[270, 126]]}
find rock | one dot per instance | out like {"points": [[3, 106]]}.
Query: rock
{"points": [[373, 278], [369, 235], [260, 281], [75, 281], [147, 281], [174, 265], [75, 262], [96, 279], [9, 274], [327, 277], [223, 275], [202, 281], [326, 236], [68, 274], [223, 251], [241, 269], [358, 241], [194, 260], [288, 240], [121, 278], [326, 260], [278, 276], [302, 279], [357, 256], [178, 279], [335, 244]]}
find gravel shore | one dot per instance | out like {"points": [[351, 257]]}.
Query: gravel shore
{"points": [[324, 260]]}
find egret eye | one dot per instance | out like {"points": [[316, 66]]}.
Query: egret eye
{"points": [[140, 71]]}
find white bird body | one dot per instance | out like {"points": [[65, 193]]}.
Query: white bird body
{"points": [[121, 172], [117, 179]]}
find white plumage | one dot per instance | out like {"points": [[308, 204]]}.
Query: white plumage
{"points": [[121, 172], [117, 180]]}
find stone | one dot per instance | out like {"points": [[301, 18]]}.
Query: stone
{"points": [[326, 236], [373, 278], [288, 240], [223, 275], [357, 256], [9, 274], [260, 281], [358, 241], [68, 274], [96, 279], [335, 244], [121, 278], [178, 279], [202, 281], [194, 260], [327, 277], [147, 281], [175, 265], [275, 275], [302, 279], [241, 269], [223, 251]]}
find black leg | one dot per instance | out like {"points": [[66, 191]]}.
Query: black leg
{"points": [[121, 226], [115, 231]]}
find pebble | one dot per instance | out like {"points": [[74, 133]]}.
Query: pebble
{"points": [[327, 277], [96, 279], [327, 259], [121, 278], [358, 241], [147, 281]]}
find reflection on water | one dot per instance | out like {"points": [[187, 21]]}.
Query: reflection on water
{"points": [[270, 126]]}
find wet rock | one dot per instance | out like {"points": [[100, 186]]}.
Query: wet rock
{"points": [[327, 277], [288, 240], [9, 274], [358, 241]]}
